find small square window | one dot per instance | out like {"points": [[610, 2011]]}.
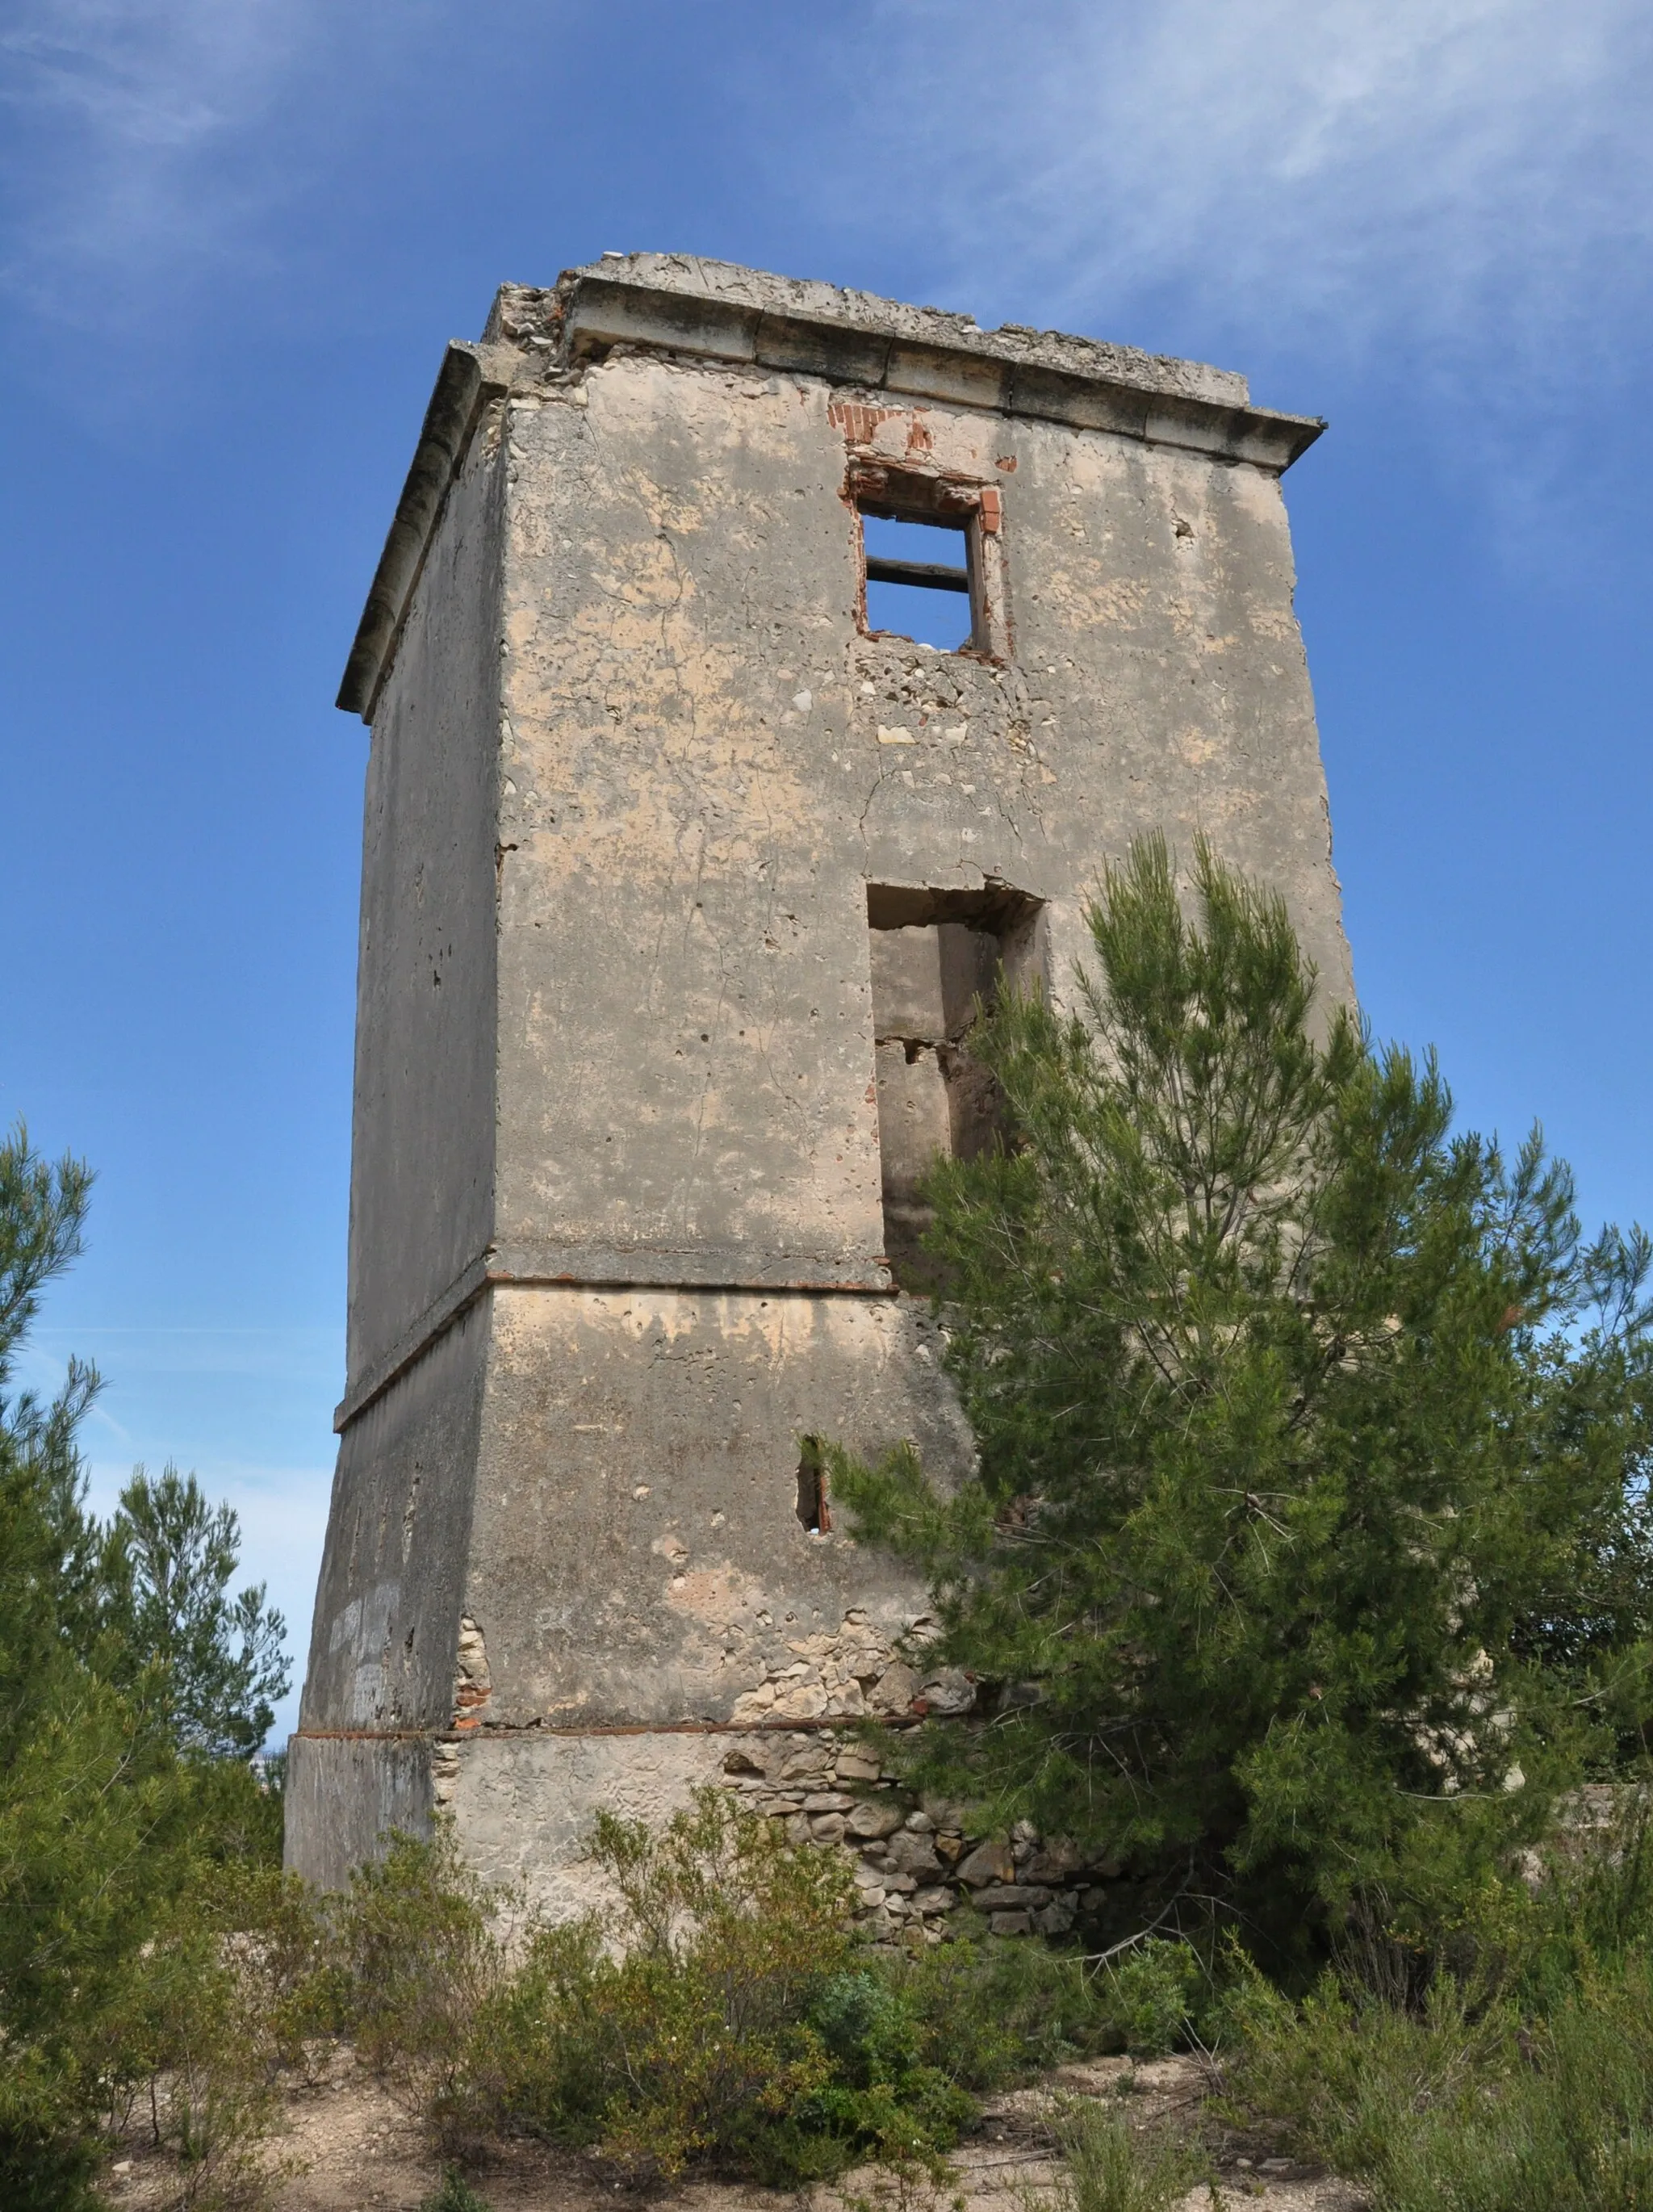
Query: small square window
{"points": [[918, 580]]}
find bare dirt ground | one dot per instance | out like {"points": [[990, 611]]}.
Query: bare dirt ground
{"points": [[349, 2146]]}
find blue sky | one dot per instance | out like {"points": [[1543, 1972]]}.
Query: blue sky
{"points": [[234, 237]]}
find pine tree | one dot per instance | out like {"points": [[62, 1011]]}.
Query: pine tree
{"points": [[213, 1663], [84, 1790], [1313, 1438], [119, 1654]]}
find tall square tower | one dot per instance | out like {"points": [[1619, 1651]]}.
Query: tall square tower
{"points": [[683, 870]]}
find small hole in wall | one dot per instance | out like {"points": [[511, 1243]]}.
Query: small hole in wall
{"points": [[813, 1488]]}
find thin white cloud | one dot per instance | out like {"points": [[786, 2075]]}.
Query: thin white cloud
{"points": [[116, 109], [1449, 174], [1465, 172]]}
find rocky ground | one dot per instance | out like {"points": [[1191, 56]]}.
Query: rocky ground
{"points": [[349, 2146]]}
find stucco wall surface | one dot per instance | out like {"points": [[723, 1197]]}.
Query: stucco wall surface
{"points": [[706, 762], [522, 1806], [635, 1553], [423, 1136]]}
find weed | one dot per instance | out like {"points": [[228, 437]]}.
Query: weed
{"points": [[1111, 2167], [454, 2194]]}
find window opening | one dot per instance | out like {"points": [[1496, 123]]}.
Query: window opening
{"points": [[938, 959], [918, 580], [813, 1488]]}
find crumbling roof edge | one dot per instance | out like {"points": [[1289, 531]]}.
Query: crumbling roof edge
{"points": [[916, 354], [599, 311], [727, 284]]}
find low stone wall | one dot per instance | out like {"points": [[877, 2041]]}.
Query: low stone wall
{"points": [[915, 1867]]}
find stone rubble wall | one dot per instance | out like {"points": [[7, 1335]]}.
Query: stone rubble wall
{"points": [[914, 1866]]}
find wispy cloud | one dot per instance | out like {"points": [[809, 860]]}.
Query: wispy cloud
{"points": [[134, 150], [1465, 172], [1457, 173]]}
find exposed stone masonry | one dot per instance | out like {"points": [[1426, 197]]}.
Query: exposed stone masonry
{"points": [[914, 1866], [854, 1673]]}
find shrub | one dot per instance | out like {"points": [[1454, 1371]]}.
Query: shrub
{"points": [[678, 2028], [1110, 2168], [991, 2012], [1148, 1995], [193, 2024], [413, 1962], [721, 2012], [1449, 2113], [222, 2001], [1528, 2091], [885, 2095]]}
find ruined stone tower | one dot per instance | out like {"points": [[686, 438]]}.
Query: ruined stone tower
{"points": [[680, 878]]}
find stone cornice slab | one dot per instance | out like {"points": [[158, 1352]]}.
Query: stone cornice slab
{"points": [[965, 371]]}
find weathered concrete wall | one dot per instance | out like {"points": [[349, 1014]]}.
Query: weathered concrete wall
{"points": [[422, 1153], [635, 1553], [641, 779], [388, 1606], [677, 861], [343, 1795], [706, 763]]}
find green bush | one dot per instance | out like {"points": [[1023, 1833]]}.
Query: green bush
{"points": [[1109, 2168], [1148, 1995], [1526, 2088], [885, 2094], [991, 2011], [412, 1963], [681, 2026], [721, 2013], [1449, 2112]]}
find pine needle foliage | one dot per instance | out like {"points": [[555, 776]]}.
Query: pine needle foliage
{"points": [[216, 1663], [111, 1813], [81, 1794], [1308, 1545]]}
